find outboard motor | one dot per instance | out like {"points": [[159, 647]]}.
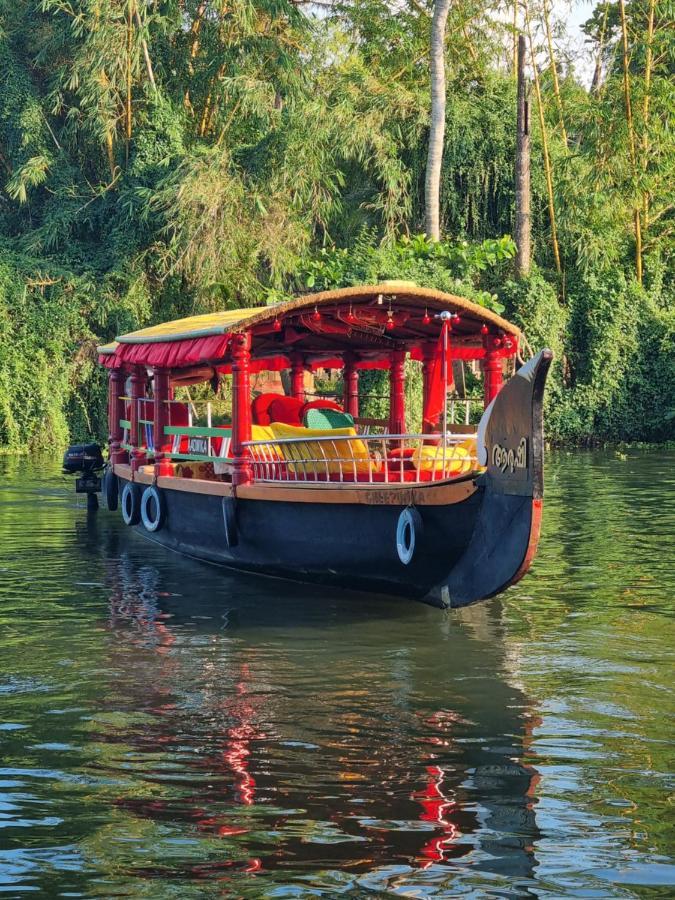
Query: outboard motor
{"points": [[86, 462]]}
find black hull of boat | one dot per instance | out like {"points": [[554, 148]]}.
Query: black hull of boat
{"points": [[347, 545], [465, 550]]}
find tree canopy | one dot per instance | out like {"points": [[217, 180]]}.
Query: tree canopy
{"points": [[162, 158]]}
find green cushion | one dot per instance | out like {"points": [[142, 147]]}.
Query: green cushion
{"points": [[327, 418]]}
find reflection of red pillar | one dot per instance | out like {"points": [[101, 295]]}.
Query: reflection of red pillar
{"points": [[162, 387], [350, 392], [437, 807], [137, 394], [297, 376], [492, 368], [115, 410], [241, 407], [397, 392]]}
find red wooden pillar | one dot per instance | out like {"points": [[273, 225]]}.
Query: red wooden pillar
{"points": [[162, 390], [397, 392], [115, 410], [138, 378], [297, 376], [350, 385], [492, 367], [241, 407], [429, 351]]}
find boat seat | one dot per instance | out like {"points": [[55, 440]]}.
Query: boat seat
{"points": [[327, 417], [287, 410]]}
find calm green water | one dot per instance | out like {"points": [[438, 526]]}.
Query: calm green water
{"points": [[168, 729]]}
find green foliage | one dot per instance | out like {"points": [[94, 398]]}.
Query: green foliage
{"points": [[614, 372], [451, 266], [163, 160], [46, 355]]}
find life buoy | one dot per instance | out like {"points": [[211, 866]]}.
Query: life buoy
{"points": [[111, 490], [153, 508], [408, 529], [131, 504]]}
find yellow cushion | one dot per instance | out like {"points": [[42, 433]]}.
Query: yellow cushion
{"points": [[328, 456], [262, 433], [458, 458]]}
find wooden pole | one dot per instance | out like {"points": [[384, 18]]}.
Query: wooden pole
{"points": [[397, 392], [161, 391], [429, 350], [138, 377], [350, 386], [115, 391], [523, 221], [297, 376], [241, 408], [492, 368]]}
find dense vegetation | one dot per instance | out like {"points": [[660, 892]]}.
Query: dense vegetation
{"points": [[169, 157]]}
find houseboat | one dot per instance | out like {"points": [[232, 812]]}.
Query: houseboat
{"points": [[304, 487]]}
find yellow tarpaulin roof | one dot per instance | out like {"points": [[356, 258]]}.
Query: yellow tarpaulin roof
{"points": [[235, 320]]}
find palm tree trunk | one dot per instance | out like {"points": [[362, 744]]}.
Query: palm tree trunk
{"points": [[432, 182], [597, 73]]}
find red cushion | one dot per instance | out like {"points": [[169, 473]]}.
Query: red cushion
{"points": [[287, 410], [260, 408], [321, 403]]}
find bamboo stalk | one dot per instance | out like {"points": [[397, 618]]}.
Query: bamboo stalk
{"points": [[554, 72], [631, 136], [548, 169], [146, 53], [205, 115], [130, 35], [195, 28], [649, 61], [110, 150], [523, 223]]}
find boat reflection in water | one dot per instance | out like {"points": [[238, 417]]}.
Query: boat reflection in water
{"points": [[325, 739]]}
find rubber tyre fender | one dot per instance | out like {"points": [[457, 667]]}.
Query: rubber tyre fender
{"points": [[154, 495], [408, 532], [131, 503], [111, 490]]}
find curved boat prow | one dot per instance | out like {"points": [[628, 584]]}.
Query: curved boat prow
{"points": [[511, 445]]}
